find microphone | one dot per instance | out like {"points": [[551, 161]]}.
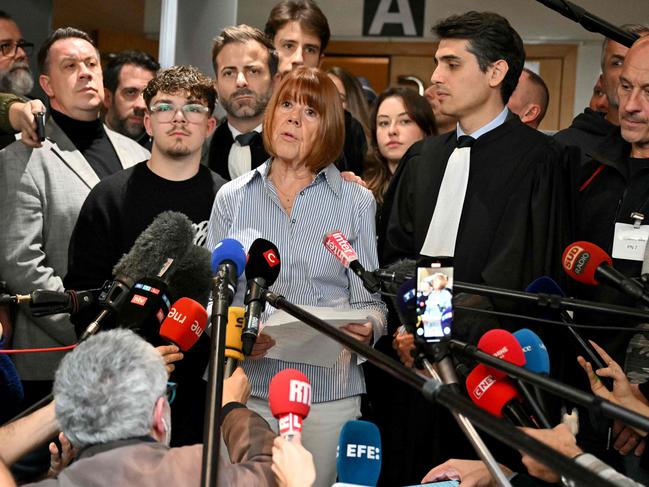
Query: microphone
{"points": [[497, 396], [262, 271], [191, 275], [336, 243], [502, 344], [587, 263], [396, 273], [536, 354], [229, 259], [233, 346], [43, 302], [289, 398], [184, 323], [165, 240], [358, 456]]}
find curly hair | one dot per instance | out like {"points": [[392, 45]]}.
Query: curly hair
{"points": [[182, 79]]}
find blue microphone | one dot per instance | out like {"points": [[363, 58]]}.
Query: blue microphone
{"points": [[358, 454], [536, 355], [229, 261]]}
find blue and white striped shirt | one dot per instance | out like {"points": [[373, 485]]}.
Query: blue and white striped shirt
{"points": [[248, 208]]}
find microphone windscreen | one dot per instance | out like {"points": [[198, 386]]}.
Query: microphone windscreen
{"points": [[404, 270], [581, 259], [289, 392], [263, 261], [230, 250], [191, 276], [336, 243], [145, 307], [168, 236], [488, 392], [502, 344], [536, 355], [233, 345], [359, 453], [184, 323]]}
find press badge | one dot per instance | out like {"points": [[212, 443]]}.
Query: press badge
{"points": [[630, 241]]}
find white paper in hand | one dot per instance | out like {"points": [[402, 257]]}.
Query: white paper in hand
{"points": [[298, 342]]}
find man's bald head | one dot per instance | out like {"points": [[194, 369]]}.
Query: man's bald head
{"points": [[633, 94], [530, 98]]}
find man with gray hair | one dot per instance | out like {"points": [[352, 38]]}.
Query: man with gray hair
{"points": [[111, 402], [15, 75]]}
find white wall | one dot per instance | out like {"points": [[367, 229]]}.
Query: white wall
{"points": [[535, 23]]}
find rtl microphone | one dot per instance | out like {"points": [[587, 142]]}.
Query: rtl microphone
{"points": [[165, 240], [339, 246], [262, 271], [358, 456], [498, 397], [184, 323], [233, 346], [289, 398], [589, 264]]}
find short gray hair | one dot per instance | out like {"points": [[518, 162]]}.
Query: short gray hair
{"points": [[637, 29], [106, 389]]}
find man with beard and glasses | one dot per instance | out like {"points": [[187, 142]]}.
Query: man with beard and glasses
{"points": [[245, 67], [125, 77]]}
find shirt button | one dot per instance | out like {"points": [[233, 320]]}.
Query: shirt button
{"points": [[301, 193], [293, 220]]}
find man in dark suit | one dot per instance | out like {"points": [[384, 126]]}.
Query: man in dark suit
{"points": [[245, 68]]}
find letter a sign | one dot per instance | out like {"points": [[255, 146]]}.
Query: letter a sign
{"points": [[393, 18]]}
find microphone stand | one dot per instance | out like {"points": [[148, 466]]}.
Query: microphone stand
{"points": [[443, 371], [222, 296], [599, 405], [443, 394]]}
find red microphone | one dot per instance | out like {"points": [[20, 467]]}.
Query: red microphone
{"points": [[336, 243], [497, 396], [184, 324], [502, 344], [589, 264], [289, 398]]}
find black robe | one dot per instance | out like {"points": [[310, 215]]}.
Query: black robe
{"points": [[219, 151], [513, 228]]}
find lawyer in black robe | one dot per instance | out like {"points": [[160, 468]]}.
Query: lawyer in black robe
{"points": [[219, 151]]}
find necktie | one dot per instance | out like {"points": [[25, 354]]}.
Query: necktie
{"points": [[443, 228], [239, 159]]}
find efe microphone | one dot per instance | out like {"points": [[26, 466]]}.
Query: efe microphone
{"points": [[262, 271], [358, 456], [289, 399]]}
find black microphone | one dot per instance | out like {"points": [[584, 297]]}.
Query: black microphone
{"points": [[262, 270], [191, 276], [166, 239], [43, 302]]}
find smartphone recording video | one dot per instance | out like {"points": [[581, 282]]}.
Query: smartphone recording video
{"points": [[434, 302]]}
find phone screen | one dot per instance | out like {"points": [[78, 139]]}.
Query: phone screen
{"points": [[434, 302]]}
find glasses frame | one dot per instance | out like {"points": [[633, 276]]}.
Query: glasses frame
{"points": [[168, 116], [28, 47]]}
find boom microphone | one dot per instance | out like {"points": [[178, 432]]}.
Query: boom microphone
{"points": [[358, 456], [262, 271], [339, 246], [184, 323], [497, 396], [589, 264], [289, 399]]}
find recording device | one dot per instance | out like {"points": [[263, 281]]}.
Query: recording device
{"points": [[358, 455], [289, 399], [587, 263], [497, 396], [184, 323], [502, 344], [40, 125], [434, 303], [167, 239], [43, 302], [262, 271], [336, 243], [233, 345]]}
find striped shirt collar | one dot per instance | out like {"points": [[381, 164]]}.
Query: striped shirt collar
{"points": [[330, 174]]}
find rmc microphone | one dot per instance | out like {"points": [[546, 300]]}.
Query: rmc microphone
{"points": [[184, 323], [589, 264], [289, 399], [339, 246], [358, 456], [262, 271]]}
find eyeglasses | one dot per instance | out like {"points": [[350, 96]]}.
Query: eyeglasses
{"points": [[10, 48], [193, 112], [171, 391]]}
